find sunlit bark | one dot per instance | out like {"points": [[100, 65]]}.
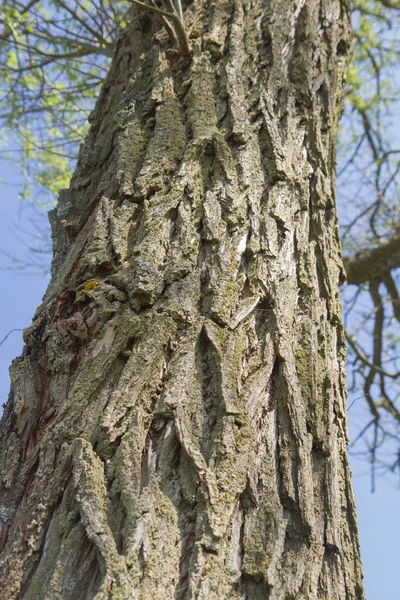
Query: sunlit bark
{"points": [[177, 423]]}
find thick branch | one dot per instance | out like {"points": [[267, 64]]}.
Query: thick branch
{"points": [[373, 263], [389, 4]]}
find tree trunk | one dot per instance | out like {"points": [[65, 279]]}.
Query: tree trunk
{"points": [[176, 427]]}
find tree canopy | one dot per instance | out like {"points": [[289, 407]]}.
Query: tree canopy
{"points": [[55, 54]]}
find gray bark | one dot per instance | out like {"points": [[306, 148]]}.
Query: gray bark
{"points": [[176, 426]]}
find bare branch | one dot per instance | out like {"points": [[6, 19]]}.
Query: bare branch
{"points": [[393, 293], [8, 334], [152, 8], [176, 17], [350, 339], [372, 263]]}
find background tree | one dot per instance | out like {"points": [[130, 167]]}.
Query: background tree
{"points": [[177, 422], [368, 183]]}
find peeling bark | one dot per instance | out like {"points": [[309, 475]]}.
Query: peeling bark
{"points": [[176, 426]]}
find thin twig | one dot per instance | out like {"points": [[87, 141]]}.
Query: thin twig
{"points": [[9, 333], [175, 15]]}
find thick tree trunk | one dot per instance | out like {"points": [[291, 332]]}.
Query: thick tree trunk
{"points": [[177, 423]]}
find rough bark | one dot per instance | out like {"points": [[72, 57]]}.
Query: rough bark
{"points": [[176, 426]]}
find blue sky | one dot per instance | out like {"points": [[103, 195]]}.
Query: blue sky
{"points": [[21, 293]]}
